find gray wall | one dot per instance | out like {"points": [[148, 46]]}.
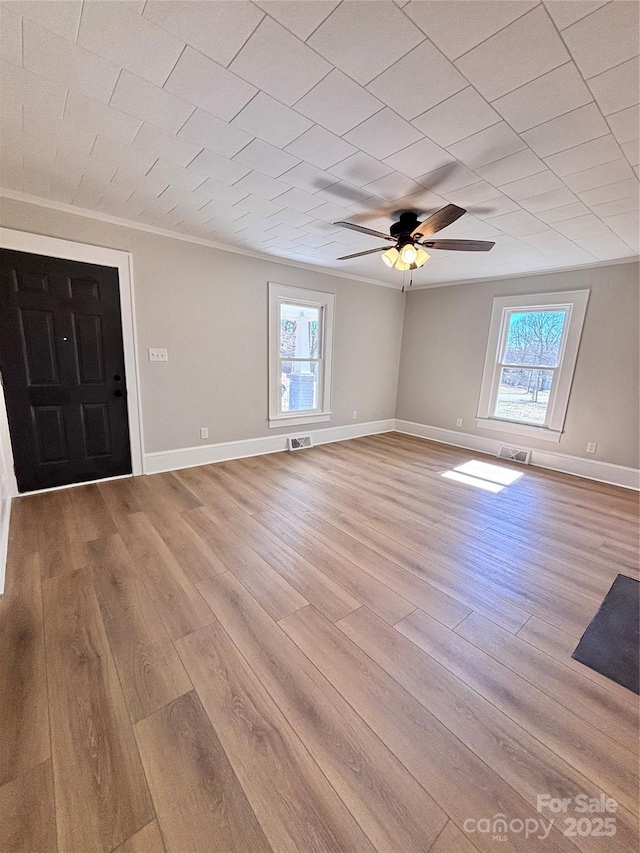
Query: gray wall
{"points": [[209, 308], [444, 341]]}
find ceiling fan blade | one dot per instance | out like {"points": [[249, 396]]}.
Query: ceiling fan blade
{"points": [[360, 254], [439, 220], [459, 245], [364, 230]]}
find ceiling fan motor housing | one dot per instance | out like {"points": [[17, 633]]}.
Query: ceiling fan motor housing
{"points": [[407, 223]]}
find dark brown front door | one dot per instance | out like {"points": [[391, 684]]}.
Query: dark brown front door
{"points": [[62, 363]]}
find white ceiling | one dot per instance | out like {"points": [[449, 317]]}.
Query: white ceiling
{"points": [[258, 124]]}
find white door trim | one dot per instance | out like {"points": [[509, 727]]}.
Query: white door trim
{"points": [[39, 244]]}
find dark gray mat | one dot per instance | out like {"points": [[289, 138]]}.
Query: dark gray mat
{"points": [[611, 643]]}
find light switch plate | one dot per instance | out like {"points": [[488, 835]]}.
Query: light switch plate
{"points": [[592, 446], [156, 354]]}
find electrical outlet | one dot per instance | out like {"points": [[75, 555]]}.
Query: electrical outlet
{"points": [[156, 354], [459, 422], [354, 415], [592, 446], [204, 432]]}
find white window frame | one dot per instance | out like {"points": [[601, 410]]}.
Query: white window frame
{"points": [[574, 302], [279, 293]]}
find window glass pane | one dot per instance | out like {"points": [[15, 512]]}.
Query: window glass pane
{"points": [[534, 337], [299, 331], [299, 386], [523, 395]]}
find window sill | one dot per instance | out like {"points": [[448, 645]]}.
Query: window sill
{"points": [[299, 420], [541, 433]]}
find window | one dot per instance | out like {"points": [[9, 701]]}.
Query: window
{"points": [[529, 364], [300, 343]]}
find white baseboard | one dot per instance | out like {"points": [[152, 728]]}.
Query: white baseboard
{"points": [[190, 457], [591, 469], [5, 514]]}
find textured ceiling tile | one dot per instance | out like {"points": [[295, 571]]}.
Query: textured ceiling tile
{"points": [[207, 131], [474, 194], [308, 178], [145, 101], [90, 114], [621, 205], [512, 168], [166, 145], [582, 226], [585, 156], [338, 103], [320, 148], [535, 185], [212, 165], [262, 185], [599, 176], [10, 36], [383, 134], [360, 169], [45, 98], [426, 63], [62, 17], [223, 196], [618, 88], [279, 64], [487, 146], [450, 177], [216, 28], [54, 58], [202, 82], [418, 159], [631, 151], [564, 132], [259, 205], [344, 193], [523, 51], [549, 96], [392, 187], [266, 159], [605, 38], [548, 200], [625, 125], [456, 28], [118, 34], [567, 12], [301, 19], [566, 211], [605, 246], [271, 121], [610, 192], [384, 29], [300, 200], [461, 115]]}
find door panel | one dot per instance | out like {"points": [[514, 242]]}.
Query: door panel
{"points": [[62, 363]]}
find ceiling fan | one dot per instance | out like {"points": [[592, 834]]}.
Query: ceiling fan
{"points": [[410, 238]]}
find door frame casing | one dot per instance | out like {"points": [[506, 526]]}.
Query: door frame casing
{"points": [[54, 247]]}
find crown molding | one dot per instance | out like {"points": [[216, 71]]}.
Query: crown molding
{"points": [[633, 259], [15, 195]]}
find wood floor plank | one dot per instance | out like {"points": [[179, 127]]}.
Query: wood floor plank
{"points": [[191, 552], [360, 584], [100, 788], [118, 497], [592, 753], [209, 492], [200, 804], [146, 840], [453, 840], [594, 704], [301, 811], [180, 605], [316, 587], [92, 516], [24, 720], [61, 548], [518, 758], [435, 590], [464, 786], [151, 673], [27, 812], [385, 799], [560, 646], [275, 594]]}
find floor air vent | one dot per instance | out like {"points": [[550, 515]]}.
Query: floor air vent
{"points": [[300, 442], [514, 454]]}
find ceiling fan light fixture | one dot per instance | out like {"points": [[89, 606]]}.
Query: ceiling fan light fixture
{"points": [[391, 256], [421, 257], [401, 265], [408, 254]]}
